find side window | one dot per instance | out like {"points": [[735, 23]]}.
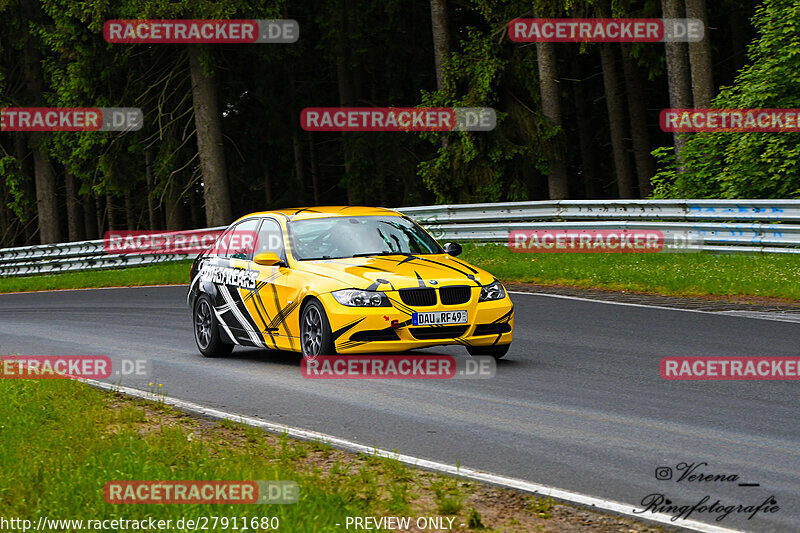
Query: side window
{"points": [[220, 247], [241, 240], [270, 238]]}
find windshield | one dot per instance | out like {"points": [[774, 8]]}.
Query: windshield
{"points": [[339, 237]]}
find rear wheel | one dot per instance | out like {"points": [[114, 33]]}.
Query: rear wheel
{"points": [[315, 331], [206, 329], [497, 351]]}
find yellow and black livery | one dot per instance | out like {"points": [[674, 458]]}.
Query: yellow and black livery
{"points": [[342, 279]]}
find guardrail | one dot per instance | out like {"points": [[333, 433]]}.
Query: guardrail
{"points": [[73, 256], [667, 210], [730, 226]]}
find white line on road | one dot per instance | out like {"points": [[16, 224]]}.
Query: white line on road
{"points": [[774, 316], [468, 473], [98, 288]]}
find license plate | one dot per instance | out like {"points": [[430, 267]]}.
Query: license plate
{"points": [[435, 318]]}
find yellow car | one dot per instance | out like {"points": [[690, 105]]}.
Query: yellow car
{"points": [[344, 280]]}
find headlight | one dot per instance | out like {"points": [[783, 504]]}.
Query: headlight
{"points": [[492, 291], [357, 298]]}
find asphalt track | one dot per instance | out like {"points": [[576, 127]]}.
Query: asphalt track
{"points": [[578, 404]]}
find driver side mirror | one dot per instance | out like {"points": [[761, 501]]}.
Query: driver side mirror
{"points": [[452, 248], [267, 259]]}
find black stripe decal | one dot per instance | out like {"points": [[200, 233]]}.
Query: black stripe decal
{"points": [[267, 321], [369, 267], [465, 274], [506, 316], [400, 306], [257, 301], [378, 282], [283, 314], [240, 303], [466, 266], [341, 331], [233, 292], [277, 317]]}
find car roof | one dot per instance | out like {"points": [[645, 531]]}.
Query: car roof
{"points": [[302, 213]]}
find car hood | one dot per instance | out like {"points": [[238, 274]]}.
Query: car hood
{"points": [[398, 272]]}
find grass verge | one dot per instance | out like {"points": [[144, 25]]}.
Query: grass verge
{"points": [[168, 273], [691, 274], [61, 441]]}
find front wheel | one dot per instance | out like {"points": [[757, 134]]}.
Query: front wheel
{"points": [[497, 351], [206, 329], [315, 331]]}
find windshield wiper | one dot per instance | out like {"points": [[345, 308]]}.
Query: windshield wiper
{"points": [[384, 252]]}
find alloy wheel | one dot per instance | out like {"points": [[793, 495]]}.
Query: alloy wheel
{"points": [[312, 331], [202, 324]]}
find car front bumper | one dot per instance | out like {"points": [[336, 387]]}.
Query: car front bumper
{"points": [[369, 329]]}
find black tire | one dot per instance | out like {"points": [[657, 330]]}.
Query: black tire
{"points": [[206, 329], [315, 331], [498, 351]]}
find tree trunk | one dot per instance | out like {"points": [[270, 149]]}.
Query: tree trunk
{"points": [[110, 213], [616, 120], [346, 93], [680, 93], [46, 201], [441, 34], [99, 214], [637, 107], [5, 218], [174, 209], [90, 217], [299, 175], [8, 221], [551, 108], [44, 176], [25, 163], [700, 58], [195, 210], [74, 215], [297, 142], [738, 28], [441, 48], [586, 138], [312, 159], [267, 186], [208, 123], [130, 214], [152, 214]]}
